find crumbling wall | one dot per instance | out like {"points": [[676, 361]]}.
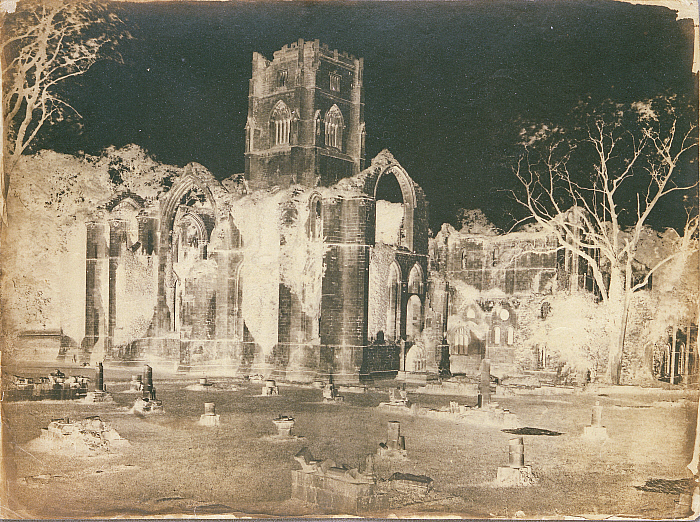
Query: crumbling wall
{"points": [[573, 335], [381, 258]]}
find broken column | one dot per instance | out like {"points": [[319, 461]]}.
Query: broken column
{"points": [[99, 395], [596, 430], [148, 388], [516, 473], [99, 378], [209, 418], [395, 443], [516, 453], [485, 384]]}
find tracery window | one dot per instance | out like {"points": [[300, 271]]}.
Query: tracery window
{"points": [[280, 124], [460, 341], [333, 124], [335, 82], [282, 78]]}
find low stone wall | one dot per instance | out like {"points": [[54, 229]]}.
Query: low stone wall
{"points": [[333, 493]]}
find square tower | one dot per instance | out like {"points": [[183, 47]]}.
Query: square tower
{"points": [[305, 117]]}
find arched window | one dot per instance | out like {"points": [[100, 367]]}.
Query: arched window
{"points": [[315, 218], [413, 316], [393, 312], [318, 125], [459, 344], [497, 335], [280, 124], [333, 124], [510, 335], [415, 280]]}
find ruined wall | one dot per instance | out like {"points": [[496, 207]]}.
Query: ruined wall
{"points": [[349, 232]]}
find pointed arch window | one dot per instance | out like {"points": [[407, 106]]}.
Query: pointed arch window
{"points": [[315, 218], [333, 123], [415, 280], [393, 312], [318, 125], [280, 124]]}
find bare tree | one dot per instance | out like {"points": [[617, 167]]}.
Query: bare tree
{"points": [[46, 42], [601, 219]]}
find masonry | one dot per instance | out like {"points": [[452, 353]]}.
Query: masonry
{"points": [[268, 271]]}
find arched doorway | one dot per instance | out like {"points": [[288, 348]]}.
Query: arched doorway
{"points": [[415, 360]]}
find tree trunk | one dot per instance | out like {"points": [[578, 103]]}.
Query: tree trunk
{"points": [[617, 315]]}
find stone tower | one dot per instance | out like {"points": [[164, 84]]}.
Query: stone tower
{"points": [[305, 117]]}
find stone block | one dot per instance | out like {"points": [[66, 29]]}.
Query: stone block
{"points": [[514, 477], [595, 432], [209, 419]]}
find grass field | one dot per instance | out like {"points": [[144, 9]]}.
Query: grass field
{"points": [[174, 466]]}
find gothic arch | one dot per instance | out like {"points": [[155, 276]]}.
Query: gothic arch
{"points": [[315, 222], [333, 124], [193, 179], [408, 196], [280, 124], [415, 359], [414, 313], [415, 280]]}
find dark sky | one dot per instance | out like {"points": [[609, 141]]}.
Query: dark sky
{"points": [[447, 84]]}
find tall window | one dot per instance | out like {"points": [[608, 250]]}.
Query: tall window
{"points": [[280, 124], [316, 219], [333, 124], [335, 82], [282, 78], [393, 312], [318, 125], [413, 312], [415, 280], [459, 342]]}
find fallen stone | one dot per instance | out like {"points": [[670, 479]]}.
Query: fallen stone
{"points": [[88, 437]]}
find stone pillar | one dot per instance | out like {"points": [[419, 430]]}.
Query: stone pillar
{"points": [[485, 382], [345, 288], [94, 258], [147, 380], [117, 230], [672, 358], [516, 453], [99, 378]]}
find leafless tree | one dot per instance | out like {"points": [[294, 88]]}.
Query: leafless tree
{"points": [[593, 218], [46, 42]]}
